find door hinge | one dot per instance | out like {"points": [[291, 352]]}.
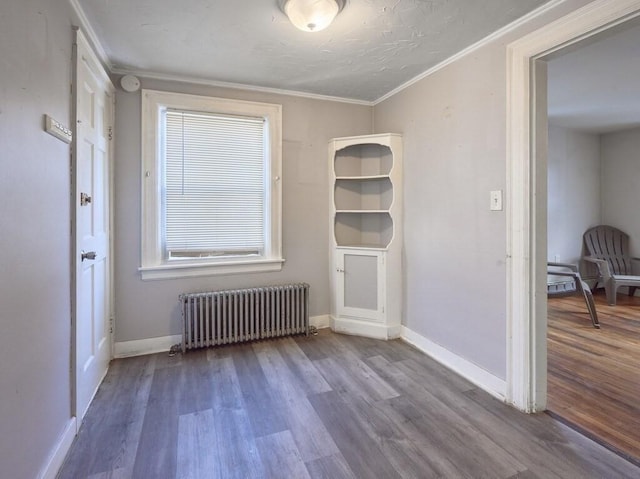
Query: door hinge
{"points": [[110, 133]]}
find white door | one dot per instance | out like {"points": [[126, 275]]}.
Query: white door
{"points": [[91, 165], [360, 284]]}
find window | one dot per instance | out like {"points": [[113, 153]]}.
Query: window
{"points": [[211, 186]]}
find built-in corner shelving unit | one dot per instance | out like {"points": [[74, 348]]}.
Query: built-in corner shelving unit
{"points": [[366, 234]]}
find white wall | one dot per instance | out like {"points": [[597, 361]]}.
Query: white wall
{"points": [[454, 127], [35, 77], [620, 156], [148, 309], [573, 193]]}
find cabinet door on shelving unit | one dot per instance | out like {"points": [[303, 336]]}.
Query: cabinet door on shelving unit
{"points": [[360, 284]]}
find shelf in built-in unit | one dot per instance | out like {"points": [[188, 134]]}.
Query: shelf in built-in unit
{"points": [[374, 194], [366, 244], [362, 178], [373, 247], [363, 160], [357, 227], [362, 211]]}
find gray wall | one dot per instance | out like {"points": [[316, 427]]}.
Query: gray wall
{"points": [[620, 155], [593, 179], [35, 76], [454, 133], [453, 123], [147, 309], [574, 196]]}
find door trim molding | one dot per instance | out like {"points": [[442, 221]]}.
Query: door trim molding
{"points": [[526, 323]]}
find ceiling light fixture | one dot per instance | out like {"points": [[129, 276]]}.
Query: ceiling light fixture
{"points": [[312, 15]]}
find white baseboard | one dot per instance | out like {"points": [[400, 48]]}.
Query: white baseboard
{"points": [[140, 347], [59, 451], [358, 327], [482, 378], [320, 322]]}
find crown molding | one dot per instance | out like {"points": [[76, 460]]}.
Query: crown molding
{"points": [[235, 86], [91, 35], [102, 55], [470, 49]]}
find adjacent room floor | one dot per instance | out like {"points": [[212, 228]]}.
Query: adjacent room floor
{"points": [[327, 406], [594, 375]]}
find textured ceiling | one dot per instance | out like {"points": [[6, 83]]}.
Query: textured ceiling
{"points": [[373, 46]]}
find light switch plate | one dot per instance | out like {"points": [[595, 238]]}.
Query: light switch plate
{"points": [[496, 200], [57, 129]]}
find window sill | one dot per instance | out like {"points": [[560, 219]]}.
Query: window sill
{"points": [[177, 271]]}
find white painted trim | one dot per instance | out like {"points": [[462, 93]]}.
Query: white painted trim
{"points": [[320, 322], [470, 49], [86, 25], [465, 368], [236, 86], [154, 265], [104, 58], [59, 451], [140, 347], [93, 37], [526, 324], [91, 34], [368, 329], [240, 86], [112, 228], [168, 271]]}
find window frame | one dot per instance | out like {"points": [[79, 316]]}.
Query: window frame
{"points": [[154, 265]]}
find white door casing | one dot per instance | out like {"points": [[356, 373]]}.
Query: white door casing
{"points": [[91, 168], [526, 192]]}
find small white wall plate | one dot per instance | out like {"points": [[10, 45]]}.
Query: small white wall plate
{"points": [[57, 129]]}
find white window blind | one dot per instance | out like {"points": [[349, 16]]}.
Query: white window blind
{"points": [[214, 197]]}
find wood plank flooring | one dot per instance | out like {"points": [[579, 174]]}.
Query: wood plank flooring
{"points": [[594, 375], [327, 406]]}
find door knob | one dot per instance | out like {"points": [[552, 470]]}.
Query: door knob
{"points": [[89, 255]]}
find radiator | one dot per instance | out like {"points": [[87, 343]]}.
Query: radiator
{"points": [[233, 316]]}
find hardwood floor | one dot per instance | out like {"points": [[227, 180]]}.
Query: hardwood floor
{"points": [[329, 406], [594, 375]]}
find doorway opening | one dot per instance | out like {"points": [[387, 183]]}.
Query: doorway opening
{"points": [[594, 135], [527, 191]]}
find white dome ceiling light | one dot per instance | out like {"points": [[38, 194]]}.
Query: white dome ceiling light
{"points": [[312, 15]]}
